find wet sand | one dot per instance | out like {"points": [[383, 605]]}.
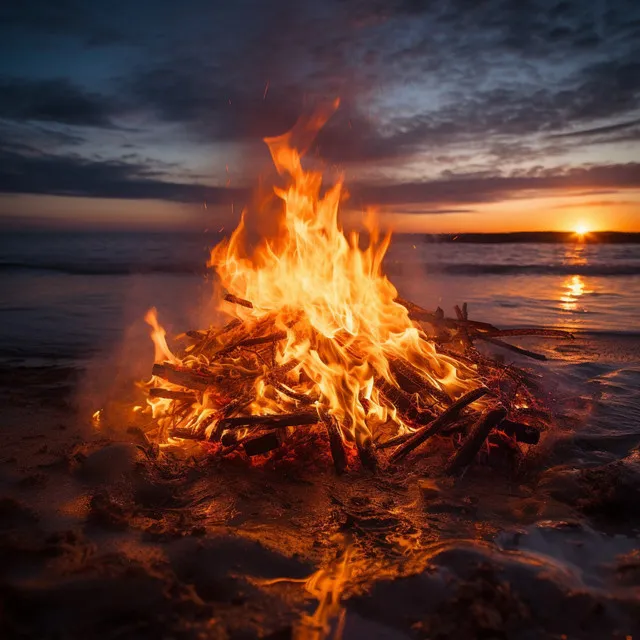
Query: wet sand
{"points": [[100, 539]]}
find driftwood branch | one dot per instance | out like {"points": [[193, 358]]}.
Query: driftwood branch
{"points": [[510, 347], [490, 419], [434, 427]]}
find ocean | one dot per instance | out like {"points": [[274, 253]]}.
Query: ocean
{"points": [[66, 296]]}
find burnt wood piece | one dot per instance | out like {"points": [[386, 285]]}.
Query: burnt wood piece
{"points": [[272, 421], [251, 342], [229, 439], [411, 380], [262, 444], [279, 373], [459, 425], [463, 333], [235, 300], [521, 432], [228, 410], [403, 402], [197, 334], [335, 443], [185, 377], [436, 425], [171, 394], [395, 441], [533, 331], [187, 434], [490, 419], [510, 347], [301, 398], [367, 454], [437, 319]]}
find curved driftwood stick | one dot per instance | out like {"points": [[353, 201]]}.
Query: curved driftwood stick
{"points": [[489, 420], [511, 347], [533, 331], [432, 428]]}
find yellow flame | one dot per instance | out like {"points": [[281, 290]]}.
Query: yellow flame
{"points": [[329, 295]]}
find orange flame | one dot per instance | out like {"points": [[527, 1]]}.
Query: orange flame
{"points": [[314, 282]]}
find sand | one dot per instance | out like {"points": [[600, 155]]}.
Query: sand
{"points": [[100, 539]]}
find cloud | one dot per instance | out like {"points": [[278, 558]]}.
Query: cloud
{"points": [[70, 175], [597, 131], [476, 189], [75, 176], [57, 100]]}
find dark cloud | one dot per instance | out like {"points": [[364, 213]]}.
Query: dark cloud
{"points": [[486, 188], [597, 131], [57, 100], [74, 176]]}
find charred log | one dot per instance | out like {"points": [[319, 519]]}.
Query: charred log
{"points": [[335, 443], [272, 421], [170, 394], [262, 444], [489, 420], [235, 300], [434, 427]]}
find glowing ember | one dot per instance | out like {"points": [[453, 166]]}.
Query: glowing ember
{"points": [[317, 335]]}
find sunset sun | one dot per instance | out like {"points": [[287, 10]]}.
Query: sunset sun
{"points": [[581, 229]]}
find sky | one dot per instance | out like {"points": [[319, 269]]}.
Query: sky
{"points": [[456, 115]]}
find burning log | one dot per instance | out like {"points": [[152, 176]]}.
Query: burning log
{"points": [[301, 398], [403, 402], [235, 300], [184, 377], [170, 394], [251, 342], [367, 453], [262, 444], [521, 432], [408, 376], [273, 421], [434, 427], [489, 420], [335, 443]]}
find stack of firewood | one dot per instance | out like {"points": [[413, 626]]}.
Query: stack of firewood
{"points": [[219, 368]]}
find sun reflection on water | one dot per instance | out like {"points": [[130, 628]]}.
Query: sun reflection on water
{"points": [[573, 289]]}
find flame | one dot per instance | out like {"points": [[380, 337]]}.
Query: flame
{"points": [[313, 284]]}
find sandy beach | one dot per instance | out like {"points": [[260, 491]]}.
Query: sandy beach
{"points": [[100, 539]]}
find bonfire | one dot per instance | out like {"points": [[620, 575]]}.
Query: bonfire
{"points": [[319, 343]]}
